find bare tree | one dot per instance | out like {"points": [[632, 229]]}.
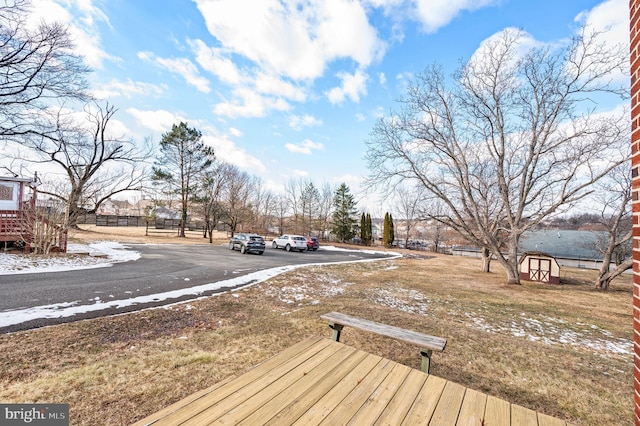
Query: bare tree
{"points": [[43, 230], [613, 194], [185, 158], [263, 205], [95, 164], [309, 206], [294, 189], [38, 67], [325, 207], [282, 209], [409, 202], [213, 182], [237, 198], [515, 139]]}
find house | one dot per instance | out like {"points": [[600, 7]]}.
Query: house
{"points": [[539, 266]]}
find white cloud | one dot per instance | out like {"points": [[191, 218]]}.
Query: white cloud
{"points": [[353, 85], [216, 62], [435, 14], [382, 79], [307, 146], [127, 89], [248, 103], [610, 17], [351, 181], [297, 122], [159, 121], [360, 117], [235, 132], [300, 173], [270, 84], [226, 150], [80, 18], [181, 66], [525, 42], [294, 39]]}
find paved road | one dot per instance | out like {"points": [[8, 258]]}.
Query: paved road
{"points": [[163, 275]]}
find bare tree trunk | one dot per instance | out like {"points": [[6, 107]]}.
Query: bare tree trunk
{"points": [[486, 260], [604, 279]]}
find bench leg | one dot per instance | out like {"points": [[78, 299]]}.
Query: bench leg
{"points": [[337, 328], [426, 359]]}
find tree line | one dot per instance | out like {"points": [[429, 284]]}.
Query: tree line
{"points": [[505, 143]]}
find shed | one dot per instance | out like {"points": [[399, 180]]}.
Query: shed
{"points": [[539, 266]]}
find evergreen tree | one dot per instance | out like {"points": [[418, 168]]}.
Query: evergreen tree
{"points": [[392, 232], [184, 158], [385, 230], [369, 229], [363, 229], [344, 214]]}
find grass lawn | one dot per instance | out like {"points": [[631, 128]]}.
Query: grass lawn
{"points": [[565, 350]]}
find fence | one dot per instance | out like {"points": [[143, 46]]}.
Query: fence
{"points": [[158, 223]]}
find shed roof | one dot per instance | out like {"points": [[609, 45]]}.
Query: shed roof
{"points": [[535, 254]]}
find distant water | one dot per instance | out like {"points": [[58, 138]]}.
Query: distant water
{"points": [[572, 244]]}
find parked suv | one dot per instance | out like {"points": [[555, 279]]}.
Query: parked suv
{"points": [[312, 243], [247, 243], [290, 242]]}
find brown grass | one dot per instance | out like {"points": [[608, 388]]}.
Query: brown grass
{"points": [[541, 346]]}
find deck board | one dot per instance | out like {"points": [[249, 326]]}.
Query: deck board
{"points": [[449, 405], [497, 412], [378, 400], [319, 381], [426, 402], [473, 408], [397, 409], [306, 400]]}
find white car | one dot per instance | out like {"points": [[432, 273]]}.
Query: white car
{"points": [[290, 242]]}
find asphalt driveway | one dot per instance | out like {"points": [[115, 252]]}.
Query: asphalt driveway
{"points": [[164, 274]]}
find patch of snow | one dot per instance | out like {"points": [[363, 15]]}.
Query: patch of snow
{"points": [[554, 331], [110, 252], [410, 301]]}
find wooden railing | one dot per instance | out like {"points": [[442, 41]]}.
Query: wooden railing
{"points": [[12, 225], [24, 226]]}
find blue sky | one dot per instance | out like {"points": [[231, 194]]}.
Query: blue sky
{"points": [[291, 89]]}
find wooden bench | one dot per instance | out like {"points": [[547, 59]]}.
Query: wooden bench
{"points": [[426, 343]]}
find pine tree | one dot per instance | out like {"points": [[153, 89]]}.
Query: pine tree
{"points": [[369, 228], [385, 230], [363, 229], [392, 233], [344, 214], [184, 158]]}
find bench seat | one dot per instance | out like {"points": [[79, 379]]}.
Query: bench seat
{"points": [[426, 343]]}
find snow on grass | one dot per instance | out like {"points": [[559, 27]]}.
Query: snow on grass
{"points": [[322, 285], [555, 331], [79, 256], [548, 330], [410, 301]]}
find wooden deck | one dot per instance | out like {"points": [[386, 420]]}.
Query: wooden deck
{"points": [[320, 381]]}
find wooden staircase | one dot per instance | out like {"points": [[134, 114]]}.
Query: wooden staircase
{"points": [[23, 226]]}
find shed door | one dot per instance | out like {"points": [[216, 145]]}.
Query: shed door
{"points": [[539, 269]]}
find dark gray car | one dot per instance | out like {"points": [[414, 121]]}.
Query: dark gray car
{"points": [[247, 243]]}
